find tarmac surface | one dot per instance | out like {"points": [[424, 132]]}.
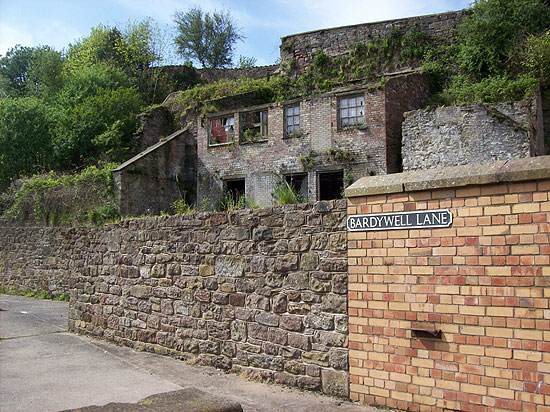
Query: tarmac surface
{"points": [[45, 368]]}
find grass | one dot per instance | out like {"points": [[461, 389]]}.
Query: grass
{"points": [[31, 293]]}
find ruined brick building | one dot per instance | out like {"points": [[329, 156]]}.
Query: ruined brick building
{"points": [[318, 144]]}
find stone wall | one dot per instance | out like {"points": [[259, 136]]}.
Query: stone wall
{"points": [[484, 283], [337, 41], [473, 133], [262, 291]]}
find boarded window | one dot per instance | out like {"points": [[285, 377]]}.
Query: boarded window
{"points": [[253, 126], [351, 111], [222, 130], [331, 185], [292, 120]]}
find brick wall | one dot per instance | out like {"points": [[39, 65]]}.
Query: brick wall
{"points": [[263, 164], [259, 291], [484, 282]]}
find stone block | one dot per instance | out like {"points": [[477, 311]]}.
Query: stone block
{"points": [[335, 383], [141, 291], [309, 261], [227, 266], [268, 319]]}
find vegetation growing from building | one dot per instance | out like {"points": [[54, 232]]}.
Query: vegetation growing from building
{"points": [[286, 194], [51, 199], [66, 112]]}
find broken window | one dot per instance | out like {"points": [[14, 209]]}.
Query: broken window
{"points": [[331, 185], [298, 183], [235, 189], [253, 126], [222, 130], [292, 120], [351, 111]]}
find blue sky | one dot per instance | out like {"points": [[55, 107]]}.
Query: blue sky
{"points": [[57, 23]]}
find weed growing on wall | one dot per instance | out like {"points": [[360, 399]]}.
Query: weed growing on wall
{"points": [[285, 194], [86, 197]]}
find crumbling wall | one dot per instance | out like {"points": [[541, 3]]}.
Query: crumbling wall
{"points": [[151, 181], [337, 41], [472, 133]]}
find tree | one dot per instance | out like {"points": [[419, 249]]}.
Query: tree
{"points": [[25, 138], [96, 114], [206, 38], [490, 32], [138, 44], [26, 71]]}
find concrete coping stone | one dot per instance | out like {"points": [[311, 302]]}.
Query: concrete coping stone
{"points": [[512, 170]]}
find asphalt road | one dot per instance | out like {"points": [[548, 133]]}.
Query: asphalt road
{"points": [[45, 368]]}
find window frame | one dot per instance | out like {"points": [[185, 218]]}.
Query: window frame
{"points": [[262, 125], [359, 120], [293, 133], [229, 130]]}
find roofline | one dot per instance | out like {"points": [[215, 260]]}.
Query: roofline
{"points": [[150, 149]]}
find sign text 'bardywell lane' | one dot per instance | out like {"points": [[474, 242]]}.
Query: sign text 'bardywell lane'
{"points": [[402, 220]]}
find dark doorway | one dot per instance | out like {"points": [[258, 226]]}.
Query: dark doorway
{"points": [[331, 185], [235, 187]]}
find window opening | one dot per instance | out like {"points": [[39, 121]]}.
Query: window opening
{"points": [[331, 185], [222, 130], [298, 183], [253, 126], [292, 120], [236, 188], [351, 111]]}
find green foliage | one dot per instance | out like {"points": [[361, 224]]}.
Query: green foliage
{"points": [[246, 62], [494, 89], [25, 137], [181, 207], [308, 161], [26, 71], [336, 153], [230, 202], [287, 195], [96, 115], [489, 33], [137, 44], [64, 199], [62, 298], [206, 38], [501, 54], [536, 57], [415, 44]]}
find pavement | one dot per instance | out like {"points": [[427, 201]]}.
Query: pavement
{"points": [[45, 368]]}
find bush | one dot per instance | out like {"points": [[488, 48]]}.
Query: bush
{"points": [[66, 199], [496, 89]]}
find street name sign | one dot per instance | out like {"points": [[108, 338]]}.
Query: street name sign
{"points": [[419, 219]]}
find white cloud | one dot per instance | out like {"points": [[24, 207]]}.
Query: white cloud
{"points": [[10, 36]]}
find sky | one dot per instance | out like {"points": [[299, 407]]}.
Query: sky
{"points": [[58, 23]]}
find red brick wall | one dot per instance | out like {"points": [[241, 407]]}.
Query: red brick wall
{"points": [[485, 282]]}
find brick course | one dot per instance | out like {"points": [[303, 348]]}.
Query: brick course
{"points": [[482, 282]]}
